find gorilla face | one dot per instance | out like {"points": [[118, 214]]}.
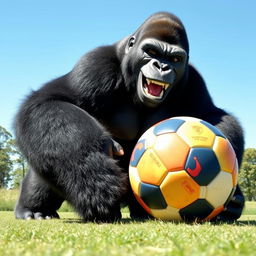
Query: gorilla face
{"points": [[156, 57], [163, 67]]}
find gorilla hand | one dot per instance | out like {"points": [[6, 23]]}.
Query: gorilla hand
{"points": [[233, 209]]}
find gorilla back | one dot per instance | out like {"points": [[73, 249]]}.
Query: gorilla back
{"points": [[73, 131]]}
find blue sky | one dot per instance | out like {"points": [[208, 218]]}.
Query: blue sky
{"points": [[41, 40]]}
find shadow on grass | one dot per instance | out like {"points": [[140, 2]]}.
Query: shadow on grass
{"points": [[138, 221], [132, 221], [122, 221]]}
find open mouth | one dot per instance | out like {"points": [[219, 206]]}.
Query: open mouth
{"points": [[153, 88]]}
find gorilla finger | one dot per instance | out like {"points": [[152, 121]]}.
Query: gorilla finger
{"points": [[54, 215], [117, 149], [28, 215], [38, 216]]}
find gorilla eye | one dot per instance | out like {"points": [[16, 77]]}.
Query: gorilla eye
{"points": [[151, 52], [176, 59]]}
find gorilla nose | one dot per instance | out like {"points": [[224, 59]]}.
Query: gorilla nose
{"points": [[159, 70], [162, 67]]}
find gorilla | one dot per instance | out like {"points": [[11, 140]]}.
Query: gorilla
{"points": [[77, 132]]}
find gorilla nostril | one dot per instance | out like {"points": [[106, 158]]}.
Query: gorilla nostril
{"points": [[157, 65], [165, 67]]}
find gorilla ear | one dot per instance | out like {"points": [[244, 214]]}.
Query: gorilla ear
{"points": [[130, 44]]}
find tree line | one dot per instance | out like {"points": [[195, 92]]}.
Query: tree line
{"points": [[13, 166]]}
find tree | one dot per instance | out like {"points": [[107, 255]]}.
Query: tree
{"points": [[247, 174], [20, 166], [5, 157]]}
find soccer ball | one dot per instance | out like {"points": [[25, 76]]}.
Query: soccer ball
{"points": [[183, 168]]}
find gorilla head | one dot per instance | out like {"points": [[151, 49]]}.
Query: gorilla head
{"points": [[156, 58]]}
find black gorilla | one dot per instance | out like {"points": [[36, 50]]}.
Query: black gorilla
{"points": [[70, 130]]}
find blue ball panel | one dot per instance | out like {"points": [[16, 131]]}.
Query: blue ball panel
{"points": [[138, 151], [200, 209], [169, 125], [202, 165], [215, 130], [152, 196]]}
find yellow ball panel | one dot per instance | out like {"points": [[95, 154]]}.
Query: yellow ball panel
{"points": [[169, 213], [134, 179], [196, 134], [225, 154], [179, 189], [172, 151], [219, 189], [235, 173], [150, 168]]}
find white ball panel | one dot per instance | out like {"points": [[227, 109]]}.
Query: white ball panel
{"points": [[219, 189]]}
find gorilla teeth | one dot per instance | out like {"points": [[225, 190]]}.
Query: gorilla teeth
{"points": [[154, 89], [163, 84]]}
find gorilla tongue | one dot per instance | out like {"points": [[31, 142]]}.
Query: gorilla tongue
{"points": [[154, 89]]}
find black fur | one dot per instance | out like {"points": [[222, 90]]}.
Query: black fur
{"points": [[65, 129]]}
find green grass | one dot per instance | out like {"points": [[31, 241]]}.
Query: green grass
{"points": [[250, 208], [8, 200], [70, 236]]}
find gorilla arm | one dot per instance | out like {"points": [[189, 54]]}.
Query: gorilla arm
{"points": [[69, 149]]}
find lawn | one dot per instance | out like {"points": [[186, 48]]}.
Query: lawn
{"points": [[70, 236]]}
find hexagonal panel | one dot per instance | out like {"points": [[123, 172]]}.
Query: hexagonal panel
{"points": [[172, 151], [179, 189], [199, 209], [170, 213], [152, 196], [202, 165], [219, 189], [196, 134], [134, 179], [214, 213], [145, 207], [150, 168], [214, 129], [168, 125], [225, 154], [138, 151]]}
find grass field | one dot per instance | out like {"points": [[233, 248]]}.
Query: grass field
{"points": [[70, 236]]}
